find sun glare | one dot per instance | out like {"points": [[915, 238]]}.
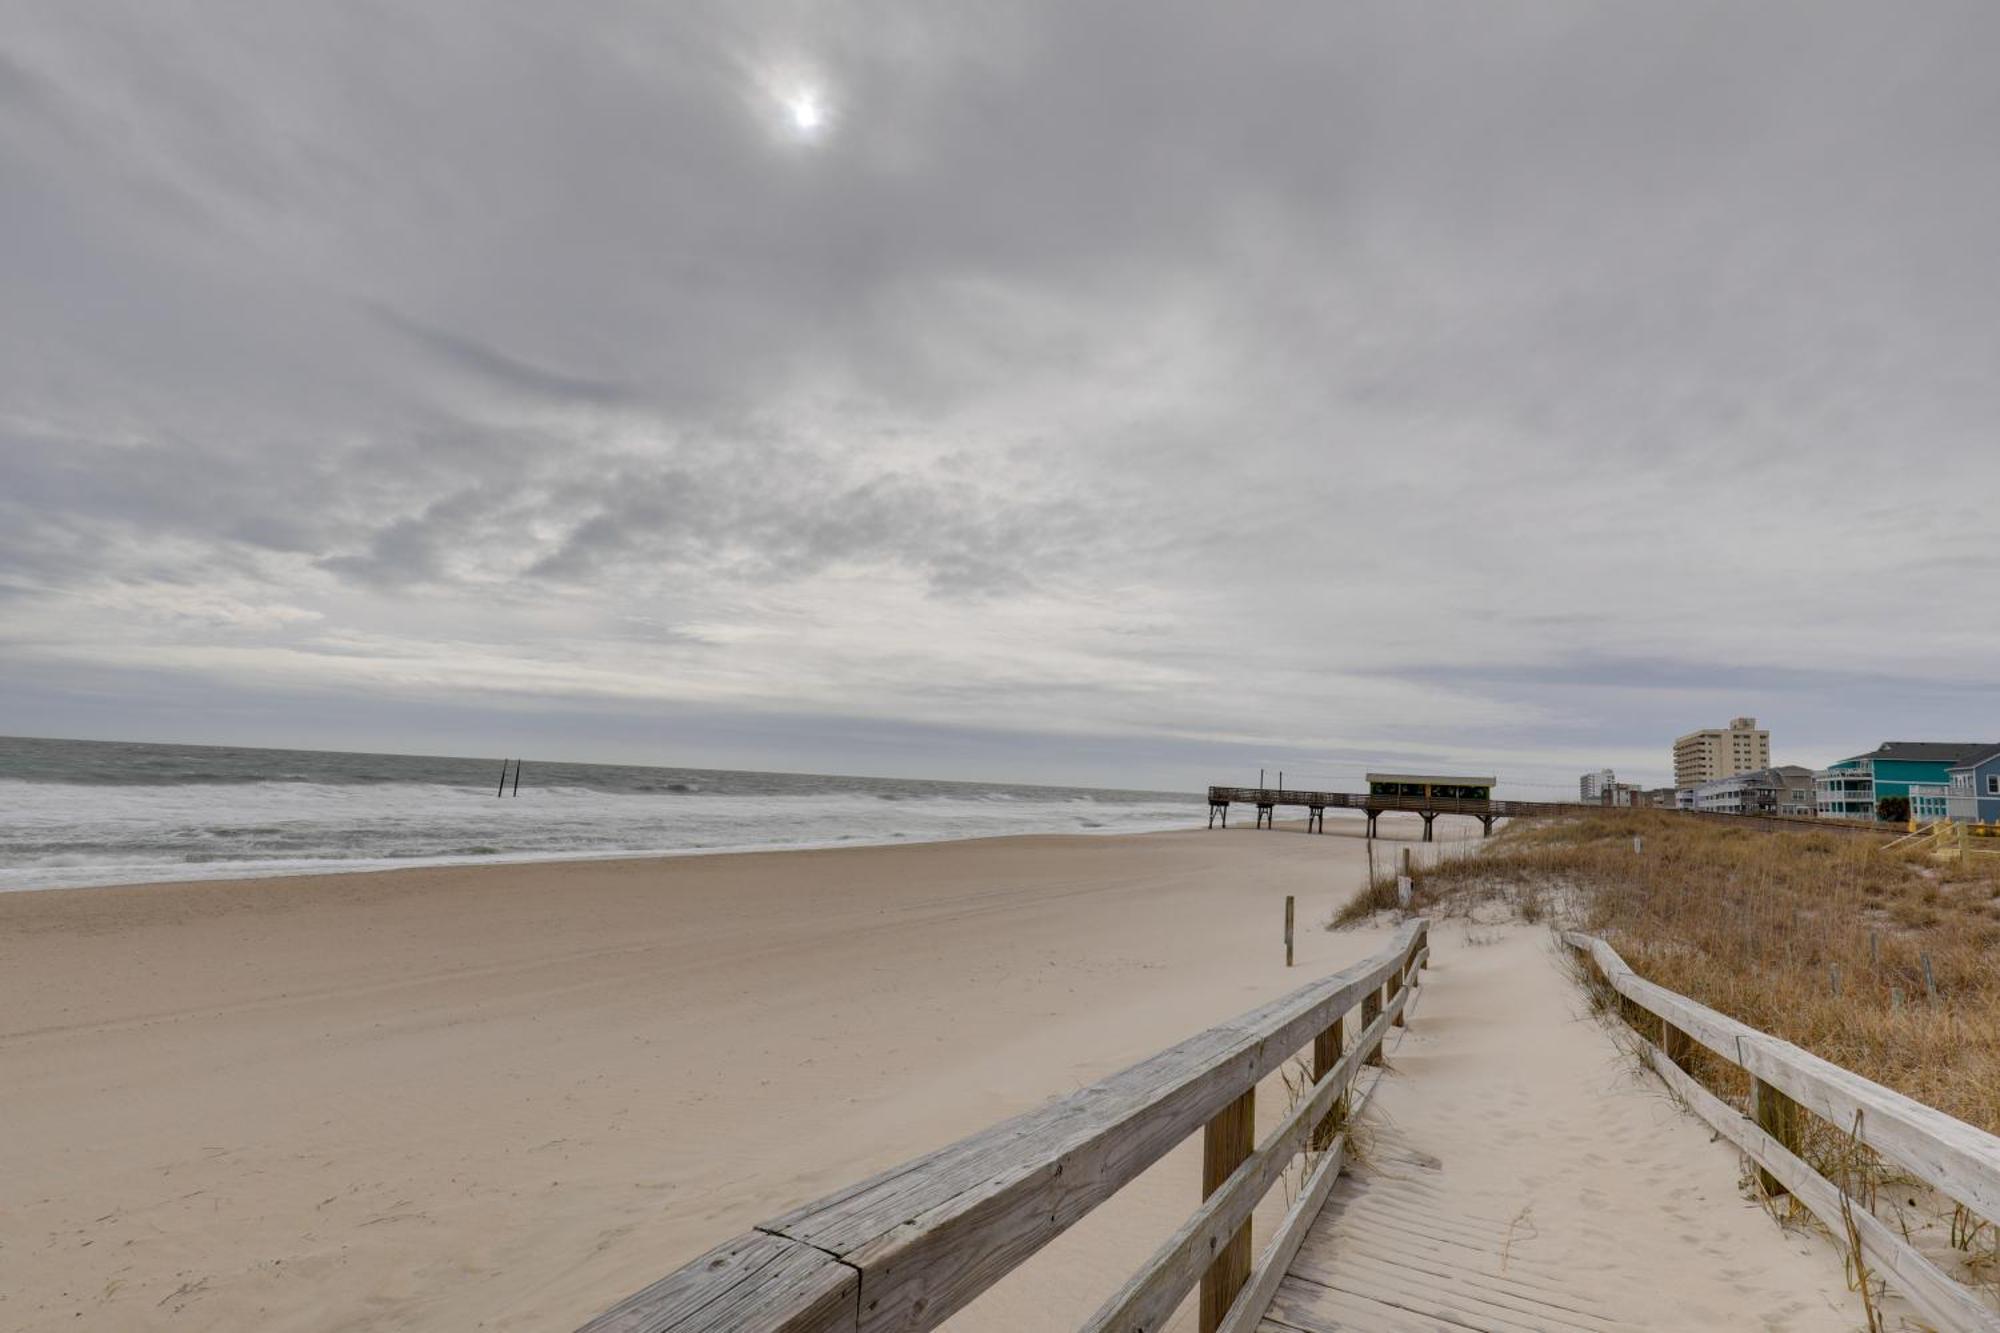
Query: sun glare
{"points": [[794, 101], [807, 112]]}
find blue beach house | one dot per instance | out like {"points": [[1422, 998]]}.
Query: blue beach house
{"points": [[1851, 788], [1973, 796]]}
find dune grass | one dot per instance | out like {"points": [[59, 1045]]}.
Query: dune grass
{"points": [[1881, 962]]}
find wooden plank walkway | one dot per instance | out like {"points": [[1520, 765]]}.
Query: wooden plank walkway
{"points": [[1516, 1172], [1478, 1152]]}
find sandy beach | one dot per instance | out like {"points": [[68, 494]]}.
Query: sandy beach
{"points": [[502, 1097]]}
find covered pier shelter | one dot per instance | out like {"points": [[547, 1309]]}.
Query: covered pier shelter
{"points": [[1430, 794]]}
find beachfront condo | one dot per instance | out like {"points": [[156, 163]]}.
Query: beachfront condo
{"points": [[1721, 752]]}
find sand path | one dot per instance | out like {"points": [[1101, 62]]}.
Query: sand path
{"points": [[1520, 1173]]}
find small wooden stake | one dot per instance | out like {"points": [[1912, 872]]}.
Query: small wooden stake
{"points": [[1833, 975], [1930, 982], [1875, 949], [1288, 929], [1225, 1142]]}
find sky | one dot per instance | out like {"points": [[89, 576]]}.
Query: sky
{"points": [[1119, 394]]}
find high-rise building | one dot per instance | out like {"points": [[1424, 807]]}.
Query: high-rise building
{"points": [[1592, 786], [1721, 752]]}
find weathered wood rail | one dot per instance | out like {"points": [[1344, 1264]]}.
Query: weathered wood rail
{"points": [[1959, 1161], [906, 1249]]}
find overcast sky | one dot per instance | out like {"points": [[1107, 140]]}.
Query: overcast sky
{"points": [[1131, 394]]}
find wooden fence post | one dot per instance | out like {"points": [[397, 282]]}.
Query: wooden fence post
{"points": [[1678, 1046], [1288, 929], [1327, 1047], [1371, 1009], [1225, 1142], [1392, 988], [1777, 1115]]}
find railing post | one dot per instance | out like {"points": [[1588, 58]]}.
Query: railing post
{"points": [[1392, 988], [1777, 1115], [1678, 1046], [1226, 1142], [1371, 1009], [1327, 1047]]}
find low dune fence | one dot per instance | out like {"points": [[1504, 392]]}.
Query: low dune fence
{"points": [[1789, 1088], [907, 1249]]}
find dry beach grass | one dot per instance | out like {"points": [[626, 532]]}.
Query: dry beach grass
{"points": [[1880, 961]]}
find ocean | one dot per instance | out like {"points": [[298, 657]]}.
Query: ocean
{"points": [[101, 812]]}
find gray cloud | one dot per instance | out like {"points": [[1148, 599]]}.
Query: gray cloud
{"points": [[1394, 378]]}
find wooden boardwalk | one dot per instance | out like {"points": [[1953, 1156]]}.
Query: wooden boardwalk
{"points": [[1477, 1155], [1392, 1253]]}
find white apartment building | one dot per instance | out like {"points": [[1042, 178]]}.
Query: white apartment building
{"points": [[1721, 752], [1592, 786]]}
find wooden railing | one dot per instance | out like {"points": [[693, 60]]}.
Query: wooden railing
{"points": [[908, 1248], [1959, 1161]]}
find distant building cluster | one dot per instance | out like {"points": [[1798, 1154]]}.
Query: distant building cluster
{"points": [[1604, 788], [1728, 770]]}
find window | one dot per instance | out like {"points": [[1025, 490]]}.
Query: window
{"points": [[1993, 784]]}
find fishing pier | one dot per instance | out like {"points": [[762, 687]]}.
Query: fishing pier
{"points": [[1428, 795]]}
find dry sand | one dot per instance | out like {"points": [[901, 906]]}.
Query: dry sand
{"points": [[502, 1097]]}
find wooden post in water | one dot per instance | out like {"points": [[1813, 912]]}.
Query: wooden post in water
{"points": [[517, 777], [503, 778], [1777, 1115], [1288, 929], [1327, 1047], [1226, 1142]]}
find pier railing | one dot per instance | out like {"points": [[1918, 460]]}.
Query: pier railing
{"points": [[1960, 1161], [906, 1249]]}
